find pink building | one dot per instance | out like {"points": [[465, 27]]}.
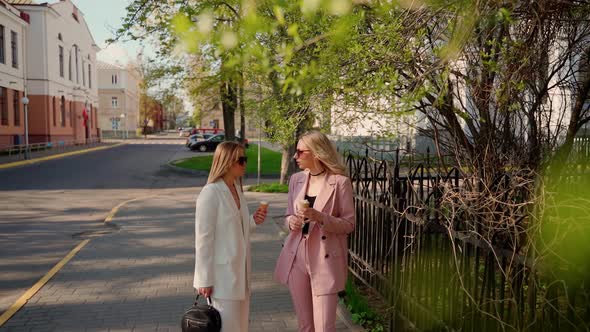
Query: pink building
{"points": [[13, 27], [61, 77]]}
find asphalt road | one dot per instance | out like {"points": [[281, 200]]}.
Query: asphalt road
{"points": [[47, 208]]}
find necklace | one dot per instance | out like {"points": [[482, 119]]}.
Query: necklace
{"points": [[320, 173]]}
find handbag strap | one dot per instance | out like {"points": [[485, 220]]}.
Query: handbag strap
{"points": [[208, 300]]}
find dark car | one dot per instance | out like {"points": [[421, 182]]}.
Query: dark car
{"points": [[211, 143], [196, 138]]}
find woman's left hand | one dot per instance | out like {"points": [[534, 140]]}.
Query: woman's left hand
{"points": [[260, 216], [312, 214]]}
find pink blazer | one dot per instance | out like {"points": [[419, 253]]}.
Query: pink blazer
{"points": [[327, 244]]}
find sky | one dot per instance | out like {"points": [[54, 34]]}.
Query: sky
{"points": [[103, 18]]}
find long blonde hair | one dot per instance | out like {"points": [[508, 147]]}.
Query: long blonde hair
{"points": [[225, 156], [324, 151]]}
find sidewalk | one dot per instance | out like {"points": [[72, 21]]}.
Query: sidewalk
{"points": [[139, 277], [5, 159]]}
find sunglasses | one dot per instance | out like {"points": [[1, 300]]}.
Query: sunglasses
{"points": [[242, 160], [298, 152]]}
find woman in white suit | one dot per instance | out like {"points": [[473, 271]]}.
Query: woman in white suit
{"points": [[222, 238]]}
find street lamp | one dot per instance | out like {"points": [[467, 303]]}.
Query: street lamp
{"points": [[123, 116], [25, 102]]}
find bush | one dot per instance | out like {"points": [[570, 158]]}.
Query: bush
{"points": [[270, 188]]}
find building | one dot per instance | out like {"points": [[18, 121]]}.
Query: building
{"points": [[13, 28], [118, 93], [61, 73]]}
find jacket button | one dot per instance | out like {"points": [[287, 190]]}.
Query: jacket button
{"points": [[323, 237], [282, 245], [327, 256]]}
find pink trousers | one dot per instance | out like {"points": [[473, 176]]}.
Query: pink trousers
{"points": [[314, 313]]}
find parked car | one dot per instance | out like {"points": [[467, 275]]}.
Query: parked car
{"points": [[211, 143], [196, 138]]}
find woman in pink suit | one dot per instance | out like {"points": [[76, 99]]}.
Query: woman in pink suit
{"points": [[313, 262]]}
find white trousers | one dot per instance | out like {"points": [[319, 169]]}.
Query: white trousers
{"points": [[234, 314]]}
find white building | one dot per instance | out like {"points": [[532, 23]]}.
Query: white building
{"points": [[118, 90], [61, 72], [13, 27]]}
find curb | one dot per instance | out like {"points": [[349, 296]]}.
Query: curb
{"points": [[56, 156], [185, 170]]}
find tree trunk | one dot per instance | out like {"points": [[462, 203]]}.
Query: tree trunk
{"points": [[242, 110], [288, 164], [228, 105]]}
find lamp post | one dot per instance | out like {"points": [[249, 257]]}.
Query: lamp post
{"points": [[25, 102], [123, 117]]}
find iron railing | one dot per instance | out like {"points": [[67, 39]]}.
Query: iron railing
{"points": [[436, 278], [20, 150]]}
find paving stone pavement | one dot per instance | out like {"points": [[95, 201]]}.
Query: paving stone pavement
{"points": [[139, 277]]}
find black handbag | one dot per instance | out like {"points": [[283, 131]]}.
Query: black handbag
{"points": [[201, 318]]}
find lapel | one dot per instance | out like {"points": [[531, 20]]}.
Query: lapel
{"points": [[323, 196], [244, 213], [325, 193], [302, 183], [227, 196]]}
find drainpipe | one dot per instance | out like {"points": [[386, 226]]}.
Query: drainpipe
{"points": [[25, 99]]}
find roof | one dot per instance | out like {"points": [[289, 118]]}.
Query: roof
{"points": [[104, 65], [21, 2]]}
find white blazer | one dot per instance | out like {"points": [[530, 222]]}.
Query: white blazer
{"points": [[222, 242]]}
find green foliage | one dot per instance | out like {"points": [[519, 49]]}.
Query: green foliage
{"points": [[270, 188], [362, 313]]}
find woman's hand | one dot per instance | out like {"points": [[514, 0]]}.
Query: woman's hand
{"points": [[312, 214], [260, 215], [206, 291], [295, 223]]}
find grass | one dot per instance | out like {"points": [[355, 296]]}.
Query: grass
{"points": [[270, 188], [270, 161]]}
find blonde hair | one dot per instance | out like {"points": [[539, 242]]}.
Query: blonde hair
{"points": [[225, 156], [324, 151]]}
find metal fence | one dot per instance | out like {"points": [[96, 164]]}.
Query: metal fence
{"points": [[19, 151], [436, 279]]}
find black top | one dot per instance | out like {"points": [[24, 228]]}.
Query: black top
{"points": [[311, 200]]}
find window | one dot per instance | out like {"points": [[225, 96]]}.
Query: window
{"points": [[114, 79], [62, 109], [16, 108], [70, 66], [61, 61], [72, 114], [90, 115], [115, 102], [3, 107], [2, 44], [54, 106], [59, 36], [89, 76], [13, 46], [83, 73], [76, 57]]}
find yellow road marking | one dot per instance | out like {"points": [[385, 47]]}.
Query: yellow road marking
{"points": [[114, 211], [33, 290], [61, 155]]}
